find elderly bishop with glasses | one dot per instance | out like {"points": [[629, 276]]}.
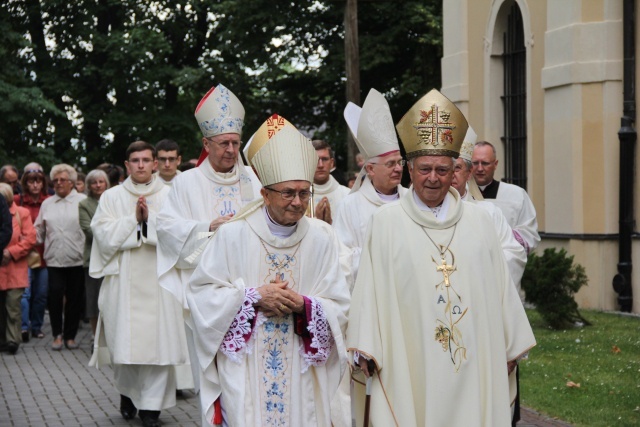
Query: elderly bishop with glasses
{"points": [[436, 318], [268, 300]]}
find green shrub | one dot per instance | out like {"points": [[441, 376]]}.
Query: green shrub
{"points": [[550, 282]]}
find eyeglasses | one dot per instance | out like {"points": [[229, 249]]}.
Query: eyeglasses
{"points": [[167, 159], [60, 180], [484, 164], [392, 163], [440, 170], [323, 159], [226, 144], [290, 195]]}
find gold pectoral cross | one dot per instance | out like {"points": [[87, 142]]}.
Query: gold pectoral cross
{"points": [[446, 271]]}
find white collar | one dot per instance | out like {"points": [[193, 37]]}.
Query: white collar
{"points": [[278, 230], [439, 212]]}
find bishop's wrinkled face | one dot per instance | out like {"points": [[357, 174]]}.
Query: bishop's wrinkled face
{"points": [[431, 177], [287, 201], [222, 150], [461, 173], [386, 172]]}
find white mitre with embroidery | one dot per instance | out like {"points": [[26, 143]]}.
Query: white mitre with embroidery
{"points": [[287, 156], [372, 129], [466, 153], [219, 111], [466, 150]]}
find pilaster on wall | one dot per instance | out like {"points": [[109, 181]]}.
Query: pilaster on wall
{"points": [[455, 59], [582, 83]]}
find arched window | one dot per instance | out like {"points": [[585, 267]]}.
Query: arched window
{"points": [[514, 100]]}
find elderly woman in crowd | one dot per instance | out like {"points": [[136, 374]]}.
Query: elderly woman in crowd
{"points": [[97, 182], [34, 299], [58, 227], [14, 277]]}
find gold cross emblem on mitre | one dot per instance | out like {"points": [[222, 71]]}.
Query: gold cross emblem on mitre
{"points": [[433, 126]]}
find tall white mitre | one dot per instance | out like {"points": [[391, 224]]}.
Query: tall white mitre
{"points": [[372, 128], [466, 153], [219, 112], [287, 156]]}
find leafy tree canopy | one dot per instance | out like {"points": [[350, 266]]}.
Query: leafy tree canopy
{"points": [[81, 80]]}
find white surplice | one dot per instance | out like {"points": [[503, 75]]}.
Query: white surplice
{"points": [[441, 332], [352, 218], [514, 252], [515, 204], [140, 323], [333, 191], [268, 381]]}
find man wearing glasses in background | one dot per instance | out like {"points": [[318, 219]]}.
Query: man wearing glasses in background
{"points": [[201, 199], [168, 160], [379, 180]]}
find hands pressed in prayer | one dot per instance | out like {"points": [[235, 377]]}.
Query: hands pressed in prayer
{"points": [[278, 300], [219, 221], [142, 211], [323, 210], [511, 366]]}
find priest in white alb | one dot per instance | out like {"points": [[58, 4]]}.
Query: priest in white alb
{"points": [[434, 309], [201, 199], [327, 191], [378, 182], [140, 330], [464, 183], [269, 301]]}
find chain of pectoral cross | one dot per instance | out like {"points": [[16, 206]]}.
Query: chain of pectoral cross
{"points": [[444, 268]]}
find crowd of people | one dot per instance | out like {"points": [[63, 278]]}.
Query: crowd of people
{"points": [[277, 292]]}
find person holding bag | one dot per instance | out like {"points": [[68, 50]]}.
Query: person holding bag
{"points": [[14, 276]]}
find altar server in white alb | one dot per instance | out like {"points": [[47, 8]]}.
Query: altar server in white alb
{"points": [[378, 182], [140, 323], [203, 198], [434, 308], [269, 301], [513, 201], [463, 181], [327, 192]]}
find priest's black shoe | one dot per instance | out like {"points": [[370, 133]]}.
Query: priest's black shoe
{"points": [[127, 408], [149, 418]]}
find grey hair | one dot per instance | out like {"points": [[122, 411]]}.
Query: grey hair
{"points": [[467, 163], [63, 167], [93, 176], [7, 192]]}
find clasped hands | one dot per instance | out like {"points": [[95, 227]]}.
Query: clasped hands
{"points": [[278, 300], [142, 210]]}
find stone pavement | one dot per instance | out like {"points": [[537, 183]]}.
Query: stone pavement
{"points": [[41, 387]]}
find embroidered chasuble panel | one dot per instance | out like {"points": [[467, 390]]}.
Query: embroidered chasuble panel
{"points": [[227, 200], [276, 344]]}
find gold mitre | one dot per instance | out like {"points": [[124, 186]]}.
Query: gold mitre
{"points": [[270, 127], [287, 156], [434, 126], [466, 150], [372, 126], [219, 111]]}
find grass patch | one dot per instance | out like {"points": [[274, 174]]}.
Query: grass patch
{"points": [[604, 359]]}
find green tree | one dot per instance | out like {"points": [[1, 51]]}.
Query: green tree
{"points": [[110, 72]]}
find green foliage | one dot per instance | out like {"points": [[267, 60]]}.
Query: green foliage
{"points": [[90, 76], [550, 282], [604, 360]]}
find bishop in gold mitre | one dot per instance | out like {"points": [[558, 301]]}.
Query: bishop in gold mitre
{"points": [[434, 308]]}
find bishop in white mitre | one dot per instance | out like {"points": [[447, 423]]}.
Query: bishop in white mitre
{"points": [[201, 199], [269, 301], [378, 182], [434, 308]]}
